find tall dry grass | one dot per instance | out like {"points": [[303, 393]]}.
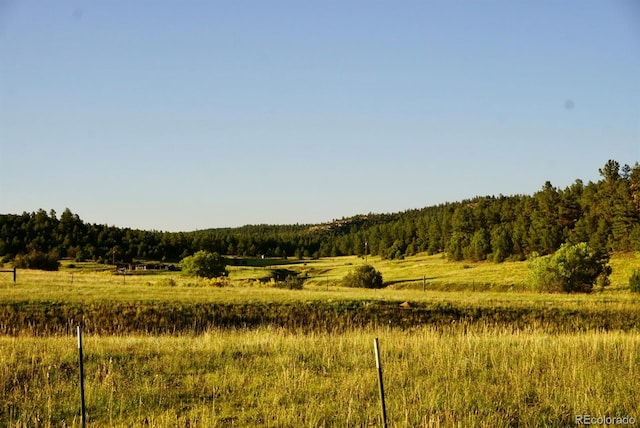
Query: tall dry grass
{"points": [[484, 377]]}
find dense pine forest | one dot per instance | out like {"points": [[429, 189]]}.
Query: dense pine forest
{"points": [[605, 214]]}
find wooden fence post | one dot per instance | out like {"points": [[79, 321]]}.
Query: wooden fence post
{"points": [[10, 271]]}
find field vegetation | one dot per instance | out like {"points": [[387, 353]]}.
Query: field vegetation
{"points": [[483, 377], [164, 349]]}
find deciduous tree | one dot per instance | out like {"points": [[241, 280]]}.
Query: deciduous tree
{"points": [[572, 269], [204, 264]]}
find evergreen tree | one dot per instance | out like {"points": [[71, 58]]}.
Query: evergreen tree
{"points": [[545, 234], [457, 245], [480, 246], [501, 244]]}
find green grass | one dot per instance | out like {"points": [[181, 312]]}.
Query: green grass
{"points": [[89, 282], [434, 270]]}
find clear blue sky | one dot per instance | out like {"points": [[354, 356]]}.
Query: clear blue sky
{"points": [[176, 115]]}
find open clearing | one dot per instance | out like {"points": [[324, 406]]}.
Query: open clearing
{"points": [[166, 350]]}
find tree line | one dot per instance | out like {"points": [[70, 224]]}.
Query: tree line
{"points": [[605, 214]]}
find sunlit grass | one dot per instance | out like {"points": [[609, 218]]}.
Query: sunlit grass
{"points": [[434, 269], [269, 377], [514, 368], [406, 278], [623, 265]]}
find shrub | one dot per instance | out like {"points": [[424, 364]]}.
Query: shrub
{"points": [[364, 276], [167, 282], [543, 274], [634, 281], [204, 264], [218, 282], [290, 282], [285, 278], [572, 269], [37, 260]]}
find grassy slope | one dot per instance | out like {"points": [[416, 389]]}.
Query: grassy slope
{"points": [[438, 272]]}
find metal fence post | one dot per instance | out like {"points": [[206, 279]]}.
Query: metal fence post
{"points": [[82, 407], [379, 367]]}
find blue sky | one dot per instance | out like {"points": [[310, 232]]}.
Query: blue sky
{"points": [[177, 116]]}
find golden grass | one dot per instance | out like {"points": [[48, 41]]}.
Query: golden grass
{"points": [[472, 375], [269, 377], [433, 270], [323, 284]]}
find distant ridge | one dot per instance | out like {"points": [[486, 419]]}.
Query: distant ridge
{"points": [[606, 214]]}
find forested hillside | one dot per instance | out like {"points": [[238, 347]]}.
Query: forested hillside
{"points": [[606, 214]]}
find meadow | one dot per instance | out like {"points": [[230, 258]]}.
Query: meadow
{"points": [[475, 348]]}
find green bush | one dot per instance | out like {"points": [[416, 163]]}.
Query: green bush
{"points": [[204, 264], [544, 276], [364, 276], [634, 281], [37, 260], [572, 269]]}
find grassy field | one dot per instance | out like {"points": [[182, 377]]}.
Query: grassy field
{"points": [[94, 281], [475, 349], [168, 302], [272, 377]]}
